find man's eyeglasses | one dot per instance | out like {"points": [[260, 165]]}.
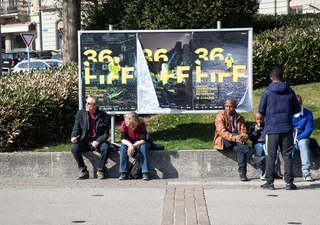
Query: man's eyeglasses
{"points": [[90, 103]]}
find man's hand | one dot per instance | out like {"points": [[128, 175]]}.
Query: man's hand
{"points": [[74, 139], [241, 139], [95, 144]]}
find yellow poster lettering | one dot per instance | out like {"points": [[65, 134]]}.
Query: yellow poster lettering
{"points": [[126, 74], [147, 54], [199, 75], [202, 53], [180, 74], [105, 54], [161, 54], [101, 80], [112, 77], [165, 73], [237, 73], [216, 52], [91, 55], [88, 76], [212, 77], [222, 75]]}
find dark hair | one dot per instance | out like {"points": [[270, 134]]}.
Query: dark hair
{"points": [[299, 97], [233, 101], [276, 74]]}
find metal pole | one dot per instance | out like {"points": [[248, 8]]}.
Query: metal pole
{"points": [[218, 25], [113, 130], [113, 117], [1, 48]]}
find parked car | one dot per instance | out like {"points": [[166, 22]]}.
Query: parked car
{"points": [[35, 64], [32, 55], [9, 60], [57, 56], [53, 62]]}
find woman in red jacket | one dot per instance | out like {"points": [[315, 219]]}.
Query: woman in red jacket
{"points": [[134, 140]]}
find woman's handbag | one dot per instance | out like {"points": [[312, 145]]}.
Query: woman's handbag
{"points": [[135, 170]]}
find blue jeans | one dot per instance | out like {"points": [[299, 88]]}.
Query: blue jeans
{"points": [[303, 145], [82, 146], [144, 158]]}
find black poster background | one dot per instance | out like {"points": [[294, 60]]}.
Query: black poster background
{"points": [[167, 71]]}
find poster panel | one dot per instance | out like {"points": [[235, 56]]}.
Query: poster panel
{"points": [[108, 62], [154, 72], [220, 68], [167, 57]]}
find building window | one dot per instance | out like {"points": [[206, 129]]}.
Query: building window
{"points": [[19, 42]]}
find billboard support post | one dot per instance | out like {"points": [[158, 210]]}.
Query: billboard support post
{"points": [[218, 25]]}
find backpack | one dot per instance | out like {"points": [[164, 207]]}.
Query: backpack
{"points": [[314, 148], [135, 170]]}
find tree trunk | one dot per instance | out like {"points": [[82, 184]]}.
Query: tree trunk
{"points": [[71, 25]]}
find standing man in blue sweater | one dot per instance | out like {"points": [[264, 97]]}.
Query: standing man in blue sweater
{"points": [[303, 121], [278, 104]]}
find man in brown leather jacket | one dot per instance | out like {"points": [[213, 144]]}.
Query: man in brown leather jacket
{"points": [[231, 134]]}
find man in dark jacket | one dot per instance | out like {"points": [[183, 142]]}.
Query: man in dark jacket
{"points": [[278, 104], [90, 133]]}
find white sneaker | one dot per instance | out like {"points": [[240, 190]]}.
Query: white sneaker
{"points": [[308, 177], [258, 173], [263, 177]]}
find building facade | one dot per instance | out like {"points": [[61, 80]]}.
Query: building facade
{"points": [[289, 6], [43, 18]]}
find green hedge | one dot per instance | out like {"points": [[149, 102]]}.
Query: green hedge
{"points": [[38, 107], [294, 47]]}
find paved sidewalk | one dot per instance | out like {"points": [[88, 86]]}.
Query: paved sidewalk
{"points": [[157, 202]]}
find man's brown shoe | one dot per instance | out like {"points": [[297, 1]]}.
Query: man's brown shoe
{"points": [[243, 176], [100, 174], [84, 174]]}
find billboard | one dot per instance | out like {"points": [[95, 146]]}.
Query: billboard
{"points": [[166, 71]]}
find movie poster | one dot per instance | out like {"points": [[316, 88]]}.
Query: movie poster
{"points": [[220, 68], [108, 69], [167, 56]]}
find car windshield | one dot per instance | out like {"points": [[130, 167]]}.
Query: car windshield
{"points": [[25, 55], [54, 63], [7, 56], [57, 56]]}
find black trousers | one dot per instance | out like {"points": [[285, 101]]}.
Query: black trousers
{"points": [[243, 151], [285, 142]]}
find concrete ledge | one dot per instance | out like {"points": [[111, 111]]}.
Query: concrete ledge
{"points": [[164, 164]]}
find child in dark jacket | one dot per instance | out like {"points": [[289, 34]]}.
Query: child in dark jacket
{"points": [[258, 139]]}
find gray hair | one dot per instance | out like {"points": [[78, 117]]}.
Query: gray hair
{"points": [[96, 100]]}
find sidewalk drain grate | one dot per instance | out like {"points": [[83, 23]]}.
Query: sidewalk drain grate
{"points": [[294, 223], [78, 221], [97, 195]]}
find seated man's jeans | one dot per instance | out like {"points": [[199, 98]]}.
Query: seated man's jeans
{"points": [[260, 148], [82, 146], [144, 158], [243, 151], [303, 145]]}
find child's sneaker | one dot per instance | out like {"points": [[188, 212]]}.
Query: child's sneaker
{"points": [[263, 177], [258, 173]]}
